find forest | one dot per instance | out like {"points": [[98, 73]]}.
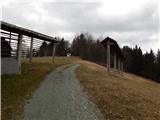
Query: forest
{"points": [[88, 48]]}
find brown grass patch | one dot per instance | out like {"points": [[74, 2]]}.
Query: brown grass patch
{"points": [[126, 97]]}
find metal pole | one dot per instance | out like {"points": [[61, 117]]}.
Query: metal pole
{"points": [[31, 51], [19, 51]]}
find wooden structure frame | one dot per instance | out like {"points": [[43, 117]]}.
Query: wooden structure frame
{"points": [[32, 34], [114, 49]]}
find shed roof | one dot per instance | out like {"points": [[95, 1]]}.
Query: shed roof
{"points": [[114, 48], [20, 30]]}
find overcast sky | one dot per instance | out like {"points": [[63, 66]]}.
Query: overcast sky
{"points": [[129, 22]]}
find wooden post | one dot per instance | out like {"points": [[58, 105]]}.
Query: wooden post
{"points": [[115, 61], [53, 52], [119, 64], [108, 57], [31, 51], [19, 51]]}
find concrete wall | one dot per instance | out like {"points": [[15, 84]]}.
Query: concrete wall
{"points": [[9, 66]]}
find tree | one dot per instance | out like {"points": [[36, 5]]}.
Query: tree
{"points": [[149, 65], [137, 61], [158, 66], [128, 63], [43, 49], [61, 48]]}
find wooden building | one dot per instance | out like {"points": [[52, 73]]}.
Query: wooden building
{"points": [[114, 50], [11, 63]]}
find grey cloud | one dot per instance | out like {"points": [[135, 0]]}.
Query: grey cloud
{"points": [[61, 18]]}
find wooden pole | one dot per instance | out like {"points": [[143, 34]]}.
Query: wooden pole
{"points": [[108, 57], [53, 52], [31, 51], [119, 64], [115, 61], [19, 51]]}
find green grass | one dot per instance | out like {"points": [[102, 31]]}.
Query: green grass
{"points": [[16, 89]]}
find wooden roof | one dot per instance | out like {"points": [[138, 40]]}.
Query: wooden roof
{"points": [[114, 47], [20, 30]]}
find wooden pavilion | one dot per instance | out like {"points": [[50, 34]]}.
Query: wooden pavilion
{"points": [[113, 49], [9, 32]]}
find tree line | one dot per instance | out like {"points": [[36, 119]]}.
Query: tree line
{"points": [[46, 49], [146, 65], [87, 47]]}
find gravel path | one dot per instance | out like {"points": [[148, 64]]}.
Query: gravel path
{"points": [[60, 97]]}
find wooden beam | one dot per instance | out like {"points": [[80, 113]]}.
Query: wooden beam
{"points": [[31, 50], [20, 30], [19, 51]]}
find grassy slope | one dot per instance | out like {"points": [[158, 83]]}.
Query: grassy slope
{"points": [[126, 97], [16, 88], [118, 97]]}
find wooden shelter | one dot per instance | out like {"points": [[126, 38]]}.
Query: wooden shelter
{"points": [[114, 49], [17, 33]]}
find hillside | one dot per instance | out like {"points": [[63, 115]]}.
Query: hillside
{"points": [[125, 96], [118, 97]]}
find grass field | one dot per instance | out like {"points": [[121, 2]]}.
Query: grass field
{"points": [[15, 89], [126, 97], [118, 97]]}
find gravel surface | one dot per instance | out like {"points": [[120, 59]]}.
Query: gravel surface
{"points": [[60, 97]]}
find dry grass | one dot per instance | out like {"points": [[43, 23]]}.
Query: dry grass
{"points": [[17, 88], [126, 97]]}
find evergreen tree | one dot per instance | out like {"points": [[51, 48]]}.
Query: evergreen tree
{"points": [[149, 65], [128, 63], [137, 60]]}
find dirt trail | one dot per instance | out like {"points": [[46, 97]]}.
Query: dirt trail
{"points": [[60, 97]]}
